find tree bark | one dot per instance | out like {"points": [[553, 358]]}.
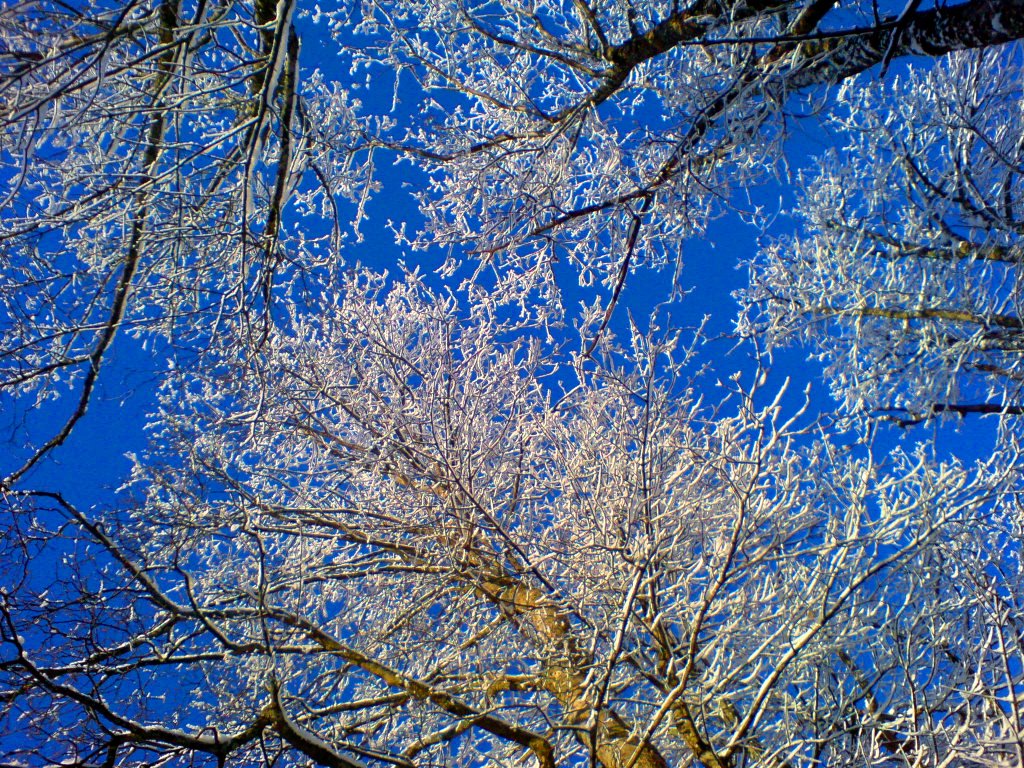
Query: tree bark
{"points": [[942, 30]]}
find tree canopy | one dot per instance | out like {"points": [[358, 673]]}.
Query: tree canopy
{"points": [[439, 516]]}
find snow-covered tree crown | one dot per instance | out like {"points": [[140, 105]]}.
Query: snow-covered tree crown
{"points": [[436, 518]]}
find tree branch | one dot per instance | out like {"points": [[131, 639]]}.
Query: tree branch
{"points": [[942, 30]]}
